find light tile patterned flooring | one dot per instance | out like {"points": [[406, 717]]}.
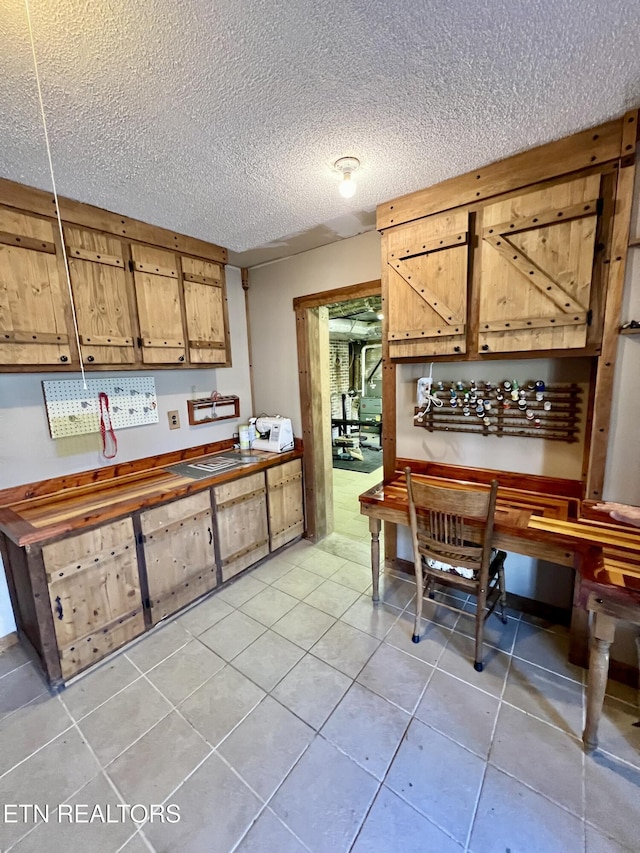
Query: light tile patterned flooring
{"points": [[287, 714]]}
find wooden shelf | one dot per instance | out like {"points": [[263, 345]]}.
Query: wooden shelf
{"points": [[206, 411], [634, 243], [630, 331]]}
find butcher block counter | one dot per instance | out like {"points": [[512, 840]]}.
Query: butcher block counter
{"points": [[95, 559]]}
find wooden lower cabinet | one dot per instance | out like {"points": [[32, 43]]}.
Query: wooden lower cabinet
{"points": [[78, 598], [241, 521], [94, 590], [286, 503], [179, 554]]}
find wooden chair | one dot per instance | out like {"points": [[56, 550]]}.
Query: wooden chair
{"points": [[452, 530]]}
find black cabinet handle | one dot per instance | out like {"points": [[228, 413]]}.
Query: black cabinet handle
{"points": [[181, 358], [64, 358], [456, 349], [90, 358], [485, 347], [210, 532], [58, 607]]}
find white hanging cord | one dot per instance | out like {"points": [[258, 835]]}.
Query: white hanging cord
{"points": [[55, 194], [425, 398]]}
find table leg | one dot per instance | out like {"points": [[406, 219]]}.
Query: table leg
{"points": [[374, 529], [602, 634]]}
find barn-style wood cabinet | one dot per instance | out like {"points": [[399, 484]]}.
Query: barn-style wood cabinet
{"points": [[142, 297], [81, 594], [33, 315], [286, 509], [94, 593], [512, 259], [241, 523], [177, 541]]}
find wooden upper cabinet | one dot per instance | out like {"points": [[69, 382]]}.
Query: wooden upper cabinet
{"points": [[206, 312], [101, 295], [427, 286], [158, 297], [537, 255], [33, 296]]}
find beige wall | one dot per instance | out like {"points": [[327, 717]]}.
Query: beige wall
{"points": [[272, 289], [28, 453]]}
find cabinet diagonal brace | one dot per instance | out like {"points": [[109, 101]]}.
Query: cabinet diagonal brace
{"points": [[541, 220], [31, 243], [577, 319], [103, 629], [95, 560], [94, 257], [33, 338], [176, 525], [415, 334], [404, 269], [103, 341], [241, 553], [434, 244], [534, 274]]}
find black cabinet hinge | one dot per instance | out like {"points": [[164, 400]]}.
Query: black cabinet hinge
{"points": [[589, 317], [132, 266], [599, 206]]}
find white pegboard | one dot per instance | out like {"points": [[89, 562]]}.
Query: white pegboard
{"points": [[73, 409]]}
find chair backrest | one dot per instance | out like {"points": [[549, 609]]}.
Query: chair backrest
{"points": [[452, 525]]}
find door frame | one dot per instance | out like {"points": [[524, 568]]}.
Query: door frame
{"points": [[313, 374]]}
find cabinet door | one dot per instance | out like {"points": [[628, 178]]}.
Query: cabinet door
{"points": [[427, 286], [286, 506], [537, 262], [206, 312], [157, 286], [33, 298], [241, 519], [179, 554], [94, 590], [101, 297]]}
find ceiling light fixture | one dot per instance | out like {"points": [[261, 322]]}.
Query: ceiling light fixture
{"points": [[347, 165]]}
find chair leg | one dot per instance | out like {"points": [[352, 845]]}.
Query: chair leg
{"points": [[419, 595], [478, 664], [503, 592]]}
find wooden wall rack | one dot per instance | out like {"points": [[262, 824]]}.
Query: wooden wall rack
{"points": [[223, 408], [559, 423]]}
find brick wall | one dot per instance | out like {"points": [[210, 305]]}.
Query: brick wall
{"points": [[339, 376]]}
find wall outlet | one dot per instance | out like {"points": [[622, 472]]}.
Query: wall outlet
{"points": [[174, 420]]}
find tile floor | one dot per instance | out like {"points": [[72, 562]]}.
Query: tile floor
{"points": [[286, 714]]}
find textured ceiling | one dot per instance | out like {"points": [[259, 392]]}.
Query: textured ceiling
{"points": [[222, 118]]}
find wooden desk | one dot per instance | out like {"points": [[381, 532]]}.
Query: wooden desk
{"points": [[538, 520], [609, 593]]}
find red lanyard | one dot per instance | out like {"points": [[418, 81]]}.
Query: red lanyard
{"points": [[106, 427]]}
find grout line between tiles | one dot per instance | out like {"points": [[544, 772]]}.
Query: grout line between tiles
{"points": [[15, 669], [40, 748]]}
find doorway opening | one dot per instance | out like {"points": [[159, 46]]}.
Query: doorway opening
{"points": [[355, 382], [319, 412]]}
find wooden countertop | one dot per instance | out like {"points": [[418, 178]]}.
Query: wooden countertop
{"points": [[38, 512]]}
